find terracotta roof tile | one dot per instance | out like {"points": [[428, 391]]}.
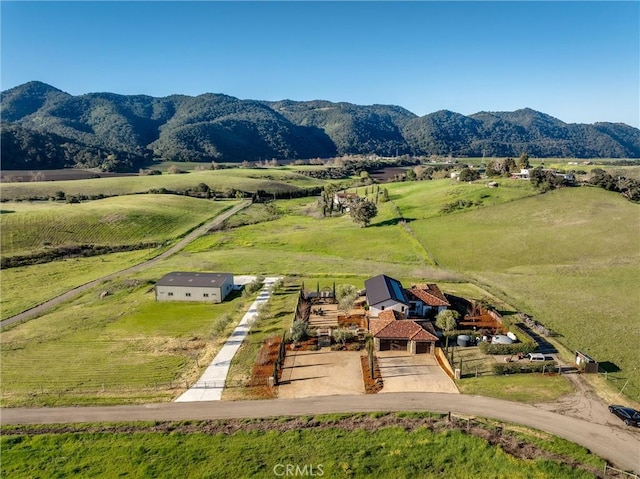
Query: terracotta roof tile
{"points": [[429, 294], [376, 325], [391, 314], [423, 335], [405, 330]]}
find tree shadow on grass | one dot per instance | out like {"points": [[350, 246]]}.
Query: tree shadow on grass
{"points": [[393, 222]]}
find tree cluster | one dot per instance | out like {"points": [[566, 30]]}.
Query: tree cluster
{"points": [[545, 180], [627, 187]]}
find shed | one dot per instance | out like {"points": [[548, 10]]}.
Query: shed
{"points": [[586, 363], [192, 286]]}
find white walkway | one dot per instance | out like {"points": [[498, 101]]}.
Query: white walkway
{"points": [[210, 385]]}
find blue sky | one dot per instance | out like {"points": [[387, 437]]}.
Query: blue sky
{"points": [[577, 61]]}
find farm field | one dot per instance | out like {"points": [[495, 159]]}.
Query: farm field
{"points": [[124, 348], [385, 445], [48, 280], [29, 227], [250, 180]]}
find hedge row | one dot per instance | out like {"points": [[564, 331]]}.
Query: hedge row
{"points": [[74, 251], [515, 348], [527, 367]]}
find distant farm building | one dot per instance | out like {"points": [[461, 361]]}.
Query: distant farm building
{"points": [[203, 287]]}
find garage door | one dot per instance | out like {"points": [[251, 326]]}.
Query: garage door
{"points": [[398, 344], [385, 344], [422, 348]]}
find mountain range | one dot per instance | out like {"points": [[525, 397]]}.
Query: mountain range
{"points": [[44, 127]]}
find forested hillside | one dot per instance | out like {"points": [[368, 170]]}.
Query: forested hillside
{"points": [[44, 127]]}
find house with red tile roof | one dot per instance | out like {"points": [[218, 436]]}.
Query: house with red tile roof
{"points": [[404, 335], [426, 300], [389, 307]]}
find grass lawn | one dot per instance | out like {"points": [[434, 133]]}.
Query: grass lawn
{"points": [[335, 452], [528, 388]]}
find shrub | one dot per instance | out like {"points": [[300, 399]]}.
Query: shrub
{"points": [[342, 335], [299, 331], [515, 348], [518, 368]]}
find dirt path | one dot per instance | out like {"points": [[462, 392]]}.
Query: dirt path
{"points": [[617, 444], [41, 308]]}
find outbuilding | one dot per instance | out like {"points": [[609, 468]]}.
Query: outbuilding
{"points": [[190, 286], [586, 363]]}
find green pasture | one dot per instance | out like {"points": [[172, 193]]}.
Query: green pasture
{"points": [[28, 227], [301, 242], [569, 258], [124, 348], [425, 199], [46, 281], [334, 451], [244, 179]]}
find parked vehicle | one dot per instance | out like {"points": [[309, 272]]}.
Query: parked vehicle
{"points": [[629, 416], [537, 357]]}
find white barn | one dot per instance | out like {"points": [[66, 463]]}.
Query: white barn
{"points": [[203, 287]]}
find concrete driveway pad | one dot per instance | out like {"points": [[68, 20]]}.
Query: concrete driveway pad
{"points": [[405, 372], [321, 373]]}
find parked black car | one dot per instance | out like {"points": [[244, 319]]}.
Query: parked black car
{"points": [[630, 416]]}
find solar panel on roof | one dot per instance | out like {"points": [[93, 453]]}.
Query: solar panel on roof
{"points": [[396, 289]]}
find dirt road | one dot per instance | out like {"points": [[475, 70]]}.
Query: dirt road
{"points": [[617, 444], [41, 308]]}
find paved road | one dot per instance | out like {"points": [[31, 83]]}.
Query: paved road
{"points": [[618, 445], [41, 308]]}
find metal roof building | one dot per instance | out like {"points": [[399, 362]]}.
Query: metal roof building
{"points": [[385, 292], [192, 286]]}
